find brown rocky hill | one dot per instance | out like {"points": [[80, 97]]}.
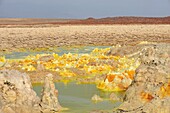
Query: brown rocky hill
{"points": [[125, 20]]}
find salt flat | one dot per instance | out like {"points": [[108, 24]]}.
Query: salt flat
{"points": [[69, 35]]}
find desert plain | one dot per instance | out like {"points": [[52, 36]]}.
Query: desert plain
{"points": [[80, 35]]}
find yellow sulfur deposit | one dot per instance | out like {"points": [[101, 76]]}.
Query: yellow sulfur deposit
{"points": [[165, 90], [2, 59], [119, 71], [28, 68], [67, 73], [117, 81]]}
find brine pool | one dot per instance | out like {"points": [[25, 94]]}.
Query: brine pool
{"points": [[75, 97], [58, 50]]}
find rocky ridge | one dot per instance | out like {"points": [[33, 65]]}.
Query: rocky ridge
{"points": [[17, 94], [150, 90]]}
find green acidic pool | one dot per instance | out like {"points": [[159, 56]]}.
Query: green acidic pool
{"points": [[77, 97], [58, 50]]}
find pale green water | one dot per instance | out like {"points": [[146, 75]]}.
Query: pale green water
{"points": [[78, 97], [58, 50]]}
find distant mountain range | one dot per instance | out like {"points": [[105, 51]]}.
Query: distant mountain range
{"points": [[88, 21]]}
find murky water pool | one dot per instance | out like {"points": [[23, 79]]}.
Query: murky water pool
{"points": [[77, 97]]}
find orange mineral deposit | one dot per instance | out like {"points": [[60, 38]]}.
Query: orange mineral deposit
{"points": [[131, 74], [146, 96], [110, 77]]}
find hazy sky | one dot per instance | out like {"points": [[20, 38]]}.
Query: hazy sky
{"points": [[82, 8]]}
